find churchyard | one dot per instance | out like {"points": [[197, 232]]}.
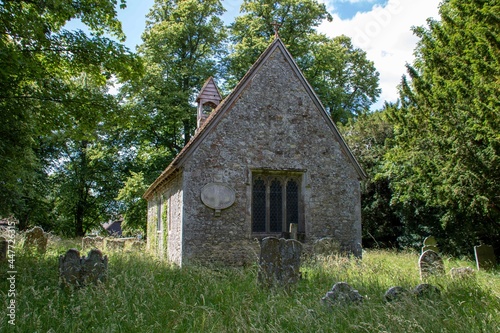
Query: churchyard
{"points": [[141, 293]]}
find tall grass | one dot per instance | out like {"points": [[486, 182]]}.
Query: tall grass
{"points": [[143, 294]]}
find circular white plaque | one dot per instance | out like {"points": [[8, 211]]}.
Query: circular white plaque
{"points": [[217, 196]]}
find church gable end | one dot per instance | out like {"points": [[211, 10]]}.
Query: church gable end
{"points": [[272, 144]]}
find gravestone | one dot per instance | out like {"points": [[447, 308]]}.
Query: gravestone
{"points": [[430, 263], [425, 290], [341, 294], [462, 272], [279, 261], [4, 245], [36, 238], [92, 242], [70, 268], [430, 243], [76, 271], [485, 257], [396, 293], [326, 246], [94, 267]]}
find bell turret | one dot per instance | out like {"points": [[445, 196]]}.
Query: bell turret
{"points": [[207, 100]]}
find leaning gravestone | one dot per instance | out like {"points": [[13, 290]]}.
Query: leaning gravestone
{"points": [[341, 294], [485, 257], [70, 268], [36, 238], [430, 263], [4, 245], [279, 261], [430, 243]]}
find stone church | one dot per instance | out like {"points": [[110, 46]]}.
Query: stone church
{"points": [[265, 161]]}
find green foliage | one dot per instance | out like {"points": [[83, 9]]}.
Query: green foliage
{"points": [[143, 294], [134, 209], [344, 79], [53, 97], [446, 151], [369, 138]]}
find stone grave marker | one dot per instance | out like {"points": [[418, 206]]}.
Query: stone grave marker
{"points": [[430, 243], [70, 268], [326, 246], [36, 238], [430, 263], [96, 242], [425, 290], [462, 272], [76, 271], [279, 261], [94, 267], [341, 293], [4, 245], [396, 293], [485, 257]]}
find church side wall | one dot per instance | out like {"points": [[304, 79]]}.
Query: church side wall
{"points": [[166, 205]]}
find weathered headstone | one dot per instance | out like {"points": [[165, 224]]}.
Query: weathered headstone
{"points": [[76, 271], [430, 243], [94, 267], [425, 290], [396, 293], [70, 268], [326, 246], [93, 242], [485, 257], [36, 238], [279, 261], [462, 272], [341, 294], [4, 245], [430, 263]]}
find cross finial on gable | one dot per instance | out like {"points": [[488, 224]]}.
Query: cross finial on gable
{"points": [[276, 26]]}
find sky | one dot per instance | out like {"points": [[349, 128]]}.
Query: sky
{"points": [[382, 28]]}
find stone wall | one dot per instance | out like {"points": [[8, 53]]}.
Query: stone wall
{"points": [[167, 242], [274, 125]]}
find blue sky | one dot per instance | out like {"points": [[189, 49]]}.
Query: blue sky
{"points": [[380, 27]]}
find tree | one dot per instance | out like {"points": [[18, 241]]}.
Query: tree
{"points": [[181, 45], [39, 96], [369, 137], [345, 81], [447, 146]]}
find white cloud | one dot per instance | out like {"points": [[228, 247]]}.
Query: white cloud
{"points": [[385, 34]]}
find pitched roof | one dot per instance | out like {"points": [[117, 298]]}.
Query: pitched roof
{"points": [[226, 104]]}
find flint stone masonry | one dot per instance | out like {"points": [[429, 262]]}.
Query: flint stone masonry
{"points": [[279, 262], [485, 257], [75, 271], [36, 239], [430, 263], [272, 123], [342, 294]]}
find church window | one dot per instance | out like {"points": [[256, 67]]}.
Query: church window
{"points": [[275, 202]]}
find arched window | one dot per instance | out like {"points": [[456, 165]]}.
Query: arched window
{"points": [[275, 202]]}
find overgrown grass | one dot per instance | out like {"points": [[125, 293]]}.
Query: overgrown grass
{"points": [[143, 294]]}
